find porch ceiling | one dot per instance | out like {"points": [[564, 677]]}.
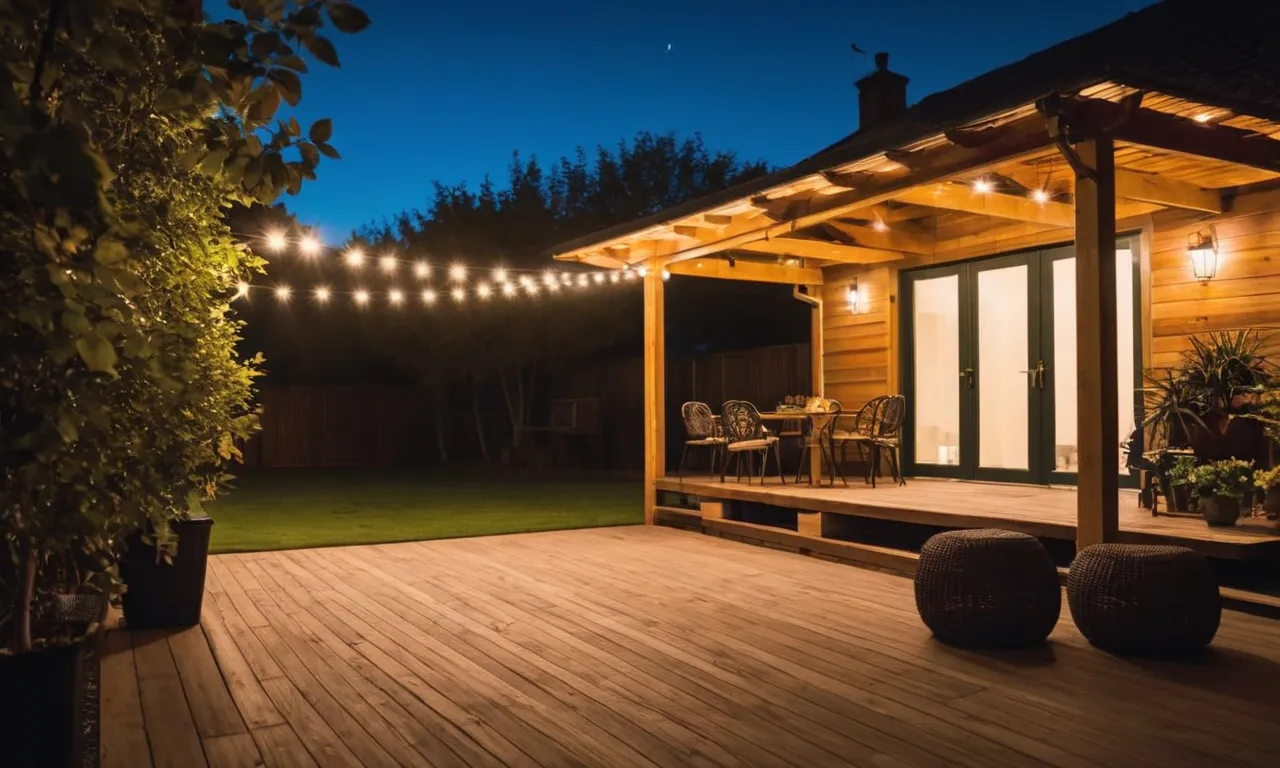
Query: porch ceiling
{"points": [[999, 176]]}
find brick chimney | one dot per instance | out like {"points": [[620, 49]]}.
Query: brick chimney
{"points": [[882, 95]]}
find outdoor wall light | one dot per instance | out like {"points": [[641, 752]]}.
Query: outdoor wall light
{"points": [[1202, 247], [852, 296]]}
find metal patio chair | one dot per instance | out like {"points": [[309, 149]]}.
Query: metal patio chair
{"points": [[745, 434], [857, 429], [887, 438], [701, 431], [819, 435]]}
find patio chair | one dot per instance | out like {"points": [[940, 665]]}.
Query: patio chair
{"points": [[701, 431], [820, 437], [887, 438], [745, 434], [857, 429]]}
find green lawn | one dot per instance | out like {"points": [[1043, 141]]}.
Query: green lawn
{"points": [[286, 509]]}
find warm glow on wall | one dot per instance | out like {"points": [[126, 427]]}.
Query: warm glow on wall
{"points": [[1202, 248], [853, 297]]}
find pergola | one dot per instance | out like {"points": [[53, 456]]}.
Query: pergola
{"points": [[1148, 124]]}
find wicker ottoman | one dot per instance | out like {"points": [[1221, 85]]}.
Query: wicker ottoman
{"points": [[987, 588], [1144, 599]]}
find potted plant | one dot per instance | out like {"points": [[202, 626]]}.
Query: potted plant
{"points": [[1228, 374], [164, 579], [1178, 477], [1220, 485], [1268, 481]]}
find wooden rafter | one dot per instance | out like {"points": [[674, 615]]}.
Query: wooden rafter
{"points": [[962, 197], [751, 271], [1150, 188], [819, 249], [889, 239]]}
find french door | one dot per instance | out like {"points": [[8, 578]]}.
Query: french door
{"points": [[989, 365]]}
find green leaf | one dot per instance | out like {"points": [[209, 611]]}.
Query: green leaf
{"points": [[76, 323], [97, 353], [110, 252], [321, 130], [347, 17], [212, 163], [290, 85], [67, 427], [310, 155], [296, 63], [328, 151], [322, 49], [189, 159]]}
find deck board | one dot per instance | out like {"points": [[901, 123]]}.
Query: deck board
{"points": [[651, 647], [1037, 510]]}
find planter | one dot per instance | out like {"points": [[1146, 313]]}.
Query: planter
{"points": [[43, 710], [1234, 438], [1271, 505], [1220, 510], [161, 594], [1180, 499]]}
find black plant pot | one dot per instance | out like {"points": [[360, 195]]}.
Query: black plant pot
{"points": [[1220, 510], [160, 594], [41, 716]]}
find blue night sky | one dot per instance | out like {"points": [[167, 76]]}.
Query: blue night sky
{"points": [[446, 91]]}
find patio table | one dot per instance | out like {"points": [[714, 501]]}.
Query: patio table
{"points": [[817, 420]]}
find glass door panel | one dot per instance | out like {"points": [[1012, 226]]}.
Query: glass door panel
{"points": [[1003, 379], [936, 365]]}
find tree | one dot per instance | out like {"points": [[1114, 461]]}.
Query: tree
{"points": [[512, 343], [127, 127]]}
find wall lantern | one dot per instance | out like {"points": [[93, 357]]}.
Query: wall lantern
{"points": [[852, 296], [1202, 247]]}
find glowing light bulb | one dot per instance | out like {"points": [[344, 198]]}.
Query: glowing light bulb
{"points": [[879, 226], [284, 293], [309, 245], [388, 263], [642, 270], [531, 288], [508, 289], [276, 241], [322, 294], [553, 287], [1203, 117], [242, 289], [666, 274], [428, 297], [395, 296], [484, 291], [629, 274], [421, 269], [354, 257], [1041, 196], [362, 297], [598, 277], [549, 277], [500, 275], [982, 186], [458, 272], [458, 295], [566, 278], [614, 277], [583, 279]]}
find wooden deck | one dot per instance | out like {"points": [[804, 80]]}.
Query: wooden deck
{"points": [[643, 647], [1037, 510]]}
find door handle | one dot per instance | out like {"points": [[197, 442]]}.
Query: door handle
{"points": [[967, 375], [1037, 375]]}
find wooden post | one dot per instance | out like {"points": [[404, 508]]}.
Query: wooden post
{"points": [[1097, 512], [815, 371], [655, 390]]}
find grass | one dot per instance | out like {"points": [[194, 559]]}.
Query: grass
{"points": [[289, 509]]}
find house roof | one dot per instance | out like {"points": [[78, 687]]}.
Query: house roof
{"points": [[1215, 52]]}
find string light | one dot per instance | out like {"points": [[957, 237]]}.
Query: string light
{"points": [[354, 257], [508, 289], [309, 245], [242, 289], [582, 280], [1041, 196], [598, 277], [428, 297], [879, 226], [628, 275], [666, 274], [284, 293], [566, 278], [421, 269], [276, 241], [362, 297], [458, 294], [457, 272], [614, 277], [388, 263], [553, 286], [642, 270], [531, 288], [484, 291], [500, 275], [982, 186], [322, 294], [549, 278], [395, 296]]}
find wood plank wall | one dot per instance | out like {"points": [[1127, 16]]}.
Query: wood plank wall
{"points": [[860, 354]]}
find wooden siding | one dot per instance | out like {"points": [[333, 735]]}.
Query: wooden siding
{"points": [[860, 359]]}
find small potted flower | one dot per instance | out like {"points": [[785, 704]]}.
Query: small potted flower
{"points": [[1220, 486], [1268, 481]]}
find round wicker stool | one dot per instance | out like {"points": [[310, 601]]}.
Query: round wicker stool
{"points": [[1144, 599], [987, 588]]}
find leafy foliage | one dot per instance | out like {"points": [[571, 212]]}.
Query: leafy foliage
{"points": [[1229, 477], [126, 127], [1223, 366], [1266, 479]]}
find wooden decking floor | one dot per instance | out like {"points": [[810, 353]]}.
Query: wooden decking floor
{"points": [[643, 647], [1037, 510]]}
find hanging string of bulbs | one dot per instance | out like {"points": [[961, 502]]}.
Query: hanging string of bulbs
{"points": [[499, 281]]}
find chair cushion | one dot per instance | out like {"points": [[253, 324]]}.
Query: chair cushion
{"points": [[707, 441], [749, 445], [841, 434]]}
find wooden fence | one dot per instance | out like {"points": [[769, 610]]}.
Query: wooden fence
{"points": [[329, 426]]}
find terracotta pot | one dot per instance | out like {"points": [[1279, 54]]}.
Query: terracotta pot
{"points": [[1220, 510]]}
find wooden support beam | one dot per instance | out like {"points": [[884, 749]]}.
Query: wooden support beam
{"points": [[819, 249], [1097, 393], [748, 271], [886, 238], [816, 372], [1150, 188], [962, 197], [655, 387]]}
